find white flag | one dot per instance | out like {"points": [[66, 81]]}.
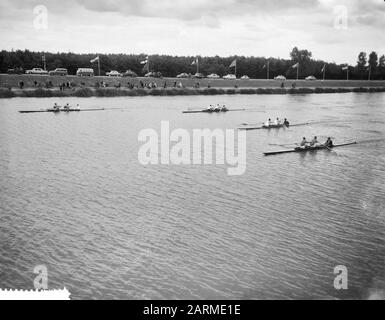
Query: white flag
{"points": [[296, 65], [95, 60], [145, 61], [345, 68], [233, 64], [195, 62]]}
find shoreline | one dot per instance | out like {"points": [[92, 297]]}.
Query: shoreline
{"points": [[86, 92]]}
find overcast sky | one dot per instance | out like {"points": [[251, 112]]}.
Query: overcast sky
{"points": [[197, 27]]}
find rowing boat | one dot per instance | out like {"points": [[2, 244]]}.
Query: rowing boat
{"points": [[211, 111], [274, 126], [298, 149], [60, 110]]}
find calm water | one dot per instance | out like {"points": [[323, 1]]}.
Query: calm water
{"points": [[74, 198]]}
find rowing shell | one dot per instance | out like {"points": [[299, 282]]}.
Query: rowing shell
{"points": [[212, 111], [57, 111], [307, 149], [274, 126]]}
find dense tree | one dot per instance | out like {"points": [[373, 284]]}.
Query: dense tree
{"points": [[373, 63], [170, 66]]}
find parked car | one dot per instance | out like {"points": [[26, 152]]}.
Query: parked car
{"points": [[113, 73], [198, 76], [311, 78], [153, 75], [183, 75], [130, 73], [15, 71], [245, 77], [36, 71], [59, 72], [85, 72], [213, 76], [280, 77], [230, 77]]}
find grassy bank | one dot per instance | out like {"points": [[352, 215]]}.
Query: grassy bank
{"points": [[112, 92], [31, 81]]}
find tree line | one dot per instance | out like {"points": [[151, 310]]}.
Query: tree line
{"points": [[170, 66]]}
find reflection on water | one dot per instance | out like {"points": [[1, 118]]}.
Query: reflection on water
{"points": [[74, 197]]}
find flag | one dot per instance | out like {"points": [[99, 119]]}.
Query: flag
{"points": [[296, 65], [95, 60], [195, 62], [144, 61], [323, 68], [345, 68], [264, 66], [233, 64]]}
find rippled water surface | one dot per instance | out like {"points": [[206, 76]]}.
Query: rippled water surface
{"points": [[74, 197]]}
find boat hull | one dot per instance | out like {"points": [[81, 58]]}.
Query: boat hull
{"points": [[308, 149], [59, 111]]}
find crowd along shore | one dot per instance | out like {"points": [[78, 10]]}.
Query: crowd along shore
{"points": [[72, 86]]}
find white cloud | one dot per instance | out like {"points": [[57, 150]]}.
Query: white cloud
{"points": [[179, 27]]}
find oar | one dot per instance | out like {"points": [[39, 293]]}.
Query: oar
{"points": [[250, 124], [286, 144]]}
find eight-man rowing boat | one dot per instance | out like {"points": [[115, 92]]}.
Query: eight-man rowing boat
{"points": [[212, 111], [60, 110], [274, 126], [308, 149]]}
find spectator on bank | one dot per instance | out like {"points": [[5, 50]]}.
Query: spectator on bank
{"points": [[35, 83], [293, 85], [165, 85], [282, 85], [21, 84]]}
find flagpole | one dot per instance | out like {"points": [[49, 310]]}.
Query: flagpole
{"points": [[370, 69], [347, 73], [235, 68], [44, 60], [323, 78], [197, 64], [297, 70], [268, 69], [99, 65]]}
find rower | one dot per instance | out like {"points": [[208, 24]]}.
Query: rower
{"points": [[218, 108], [55, 106], [286, 122], [224, 108], [67, 107], [303, 143], [277, 122], [314, 142], [268, 123], [328, 143], [210, 108]]}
